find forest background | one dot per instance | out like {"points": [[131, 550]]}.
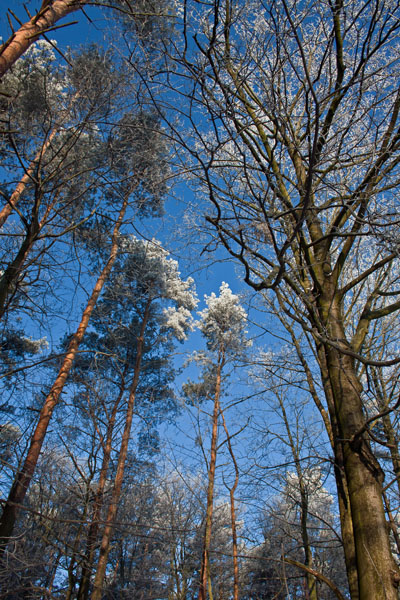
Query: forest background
{"points": [[244, 446]]}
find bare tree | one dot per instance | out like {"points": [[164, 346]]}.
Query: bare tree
{"points": [[293, 111]]}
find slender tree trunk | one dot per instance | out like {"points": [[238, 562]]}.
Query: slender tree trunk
{"points": [[232, 491], [9, 278], [28, 177], [312, 593], [119, 476], [52, 574], [24, 476], [378, 575], [205, 563], [83, 592], [29, 32], [390, 434]]}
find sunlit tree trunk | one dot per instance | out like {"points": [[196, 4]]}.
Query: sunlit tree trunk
{"points": [[28, 177], [205, 577], [119, 477], [24, 476], [29, 32], [232, 491], [98, 501]]}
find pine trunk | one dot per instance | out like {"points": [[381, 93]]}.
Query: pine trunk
{"points": [[83, 592], [29, 32], [119, 477], [22, 481], [205, 579]]}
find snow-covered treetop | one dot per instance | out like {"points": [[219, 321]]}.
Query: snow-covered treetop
{"points": [[223, 322], [159, 273], [158, 277]]}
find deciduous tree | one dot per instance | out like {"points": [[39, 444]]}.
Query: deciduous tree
{"points": [[297, 147]]}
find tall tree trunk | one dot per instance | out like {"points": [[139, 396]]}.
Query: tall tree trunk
{"points": [[346, 522], [205, 578], [29, 32], [119, 476], [330, 422], [378, 575], [24, 476], [232, 491], [83, 592]]}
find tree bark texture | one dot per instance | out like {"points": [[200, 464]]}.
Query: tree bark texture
{"points": [[30, 31], [377, 571]]}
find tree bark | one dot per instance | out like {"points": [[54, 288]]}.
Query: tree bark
{"points": [[119, 476], [205, 563], [28, 177], [330, 422], [30, 31], [24, 476], [378, 575], [232, 491], [346, 523], [84, 584], [9, 278]]}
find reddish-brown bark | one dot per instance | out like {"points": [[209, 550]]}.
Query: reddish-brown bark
{"points": [[25, 179], [24, 476], [30, 31], [119, 476], [232, 491], [83, 592], [205, 567]]}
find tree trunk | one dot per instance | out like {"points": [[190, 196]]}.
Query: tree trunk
{"points": [[23, 478], [83, 592], [205, 579], [11, 274], [28, 177], [232, 491], [330, 422], [30, 31], [119, 476], [312, 592], [346, 523], [378, 576]]}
